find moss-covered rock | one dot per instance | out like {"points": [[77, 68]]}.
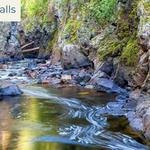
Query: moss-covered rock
{"points": [[130, 52], [84, 24], [144, 26], [122, 43]]}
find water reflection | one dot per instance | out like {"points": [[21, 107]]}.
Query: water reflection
{"points": [[5, 119], [46, 119]]}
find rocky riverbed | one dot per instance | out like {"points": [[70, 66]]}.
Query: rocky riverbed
{"points": [[37, 71], [95, 111]]}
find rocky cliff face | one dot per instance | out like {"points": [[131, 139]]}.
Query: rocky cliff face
{"points": [[76, 36], [79, 34], [140, 118], [143, 69], [9, 43]]}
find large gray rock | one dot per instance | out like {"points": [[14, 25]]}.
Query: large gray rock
{"points": [[10, 90], [107, 85], [122, 74], [106, 66], [73, 58], [102, 78], [140, 118]]}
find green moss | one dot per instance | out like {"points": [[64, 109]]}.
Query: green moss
{"points": [[52, 42], [111, 46], [35, 13], [34, 7], [104, 11], [28, 27], [130, 53], [122, 43], [126, 49], [108, 46], [146, 12], [147, 6], [71, 28]]}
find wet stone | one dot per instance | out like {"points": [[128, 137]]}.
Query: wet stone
{"points": [[10, 90]]}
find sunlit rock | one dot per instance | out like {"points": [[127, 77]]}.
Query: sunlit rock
{"points": [[73, 58]]}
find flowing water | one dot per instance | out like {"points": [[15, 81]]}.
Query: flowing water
{"points": [[46, 118]]}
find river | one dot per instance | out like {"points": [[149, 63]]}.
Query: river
{"points": [[48, 118]]}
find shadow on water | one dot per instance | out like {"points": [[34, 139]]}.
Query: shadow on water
{"points": [[63, 119]]}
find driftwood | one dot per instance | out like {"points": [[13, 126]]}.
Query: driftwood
{"points": [[30, 50], [26, 45]]}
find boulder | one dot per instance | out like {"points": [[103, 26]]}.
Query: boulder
{"points": [[122, 74], [102, 76], [139, 119], [106, 66], [73, 58], [108, 85], [83, 77], [10, 90]]}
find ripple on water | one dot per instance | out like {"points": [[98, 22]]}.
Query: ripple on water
{"points": [[96, 133]]}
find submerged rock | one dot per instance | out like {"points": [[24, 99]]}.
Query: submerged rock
{"points": [[10, 90]]}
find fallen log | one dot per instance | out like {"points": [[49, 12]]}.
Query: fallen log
{"points": [[30, 50], [26, 45]]}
